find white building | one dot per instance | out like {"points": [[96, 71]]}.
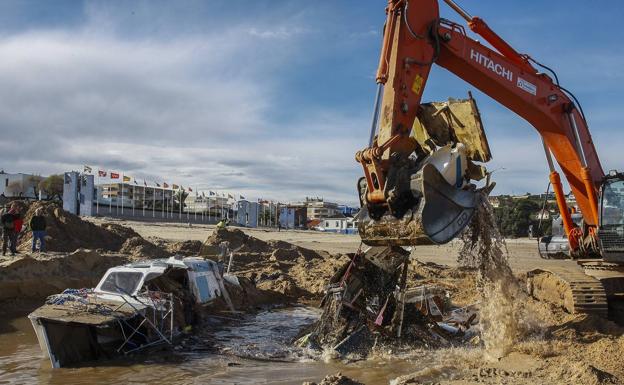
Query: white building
{"points": [[338, 225], [20, 185], [213, 206]]}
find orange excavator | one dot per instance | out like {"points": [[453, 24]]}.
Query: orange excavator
{"points": [[409, 197]]}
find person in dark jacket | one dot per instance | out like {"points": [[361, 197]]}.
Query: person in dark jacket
{"points": [[38, 228], [8, 229]]}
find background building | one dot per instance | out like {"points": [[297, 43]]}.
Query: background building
{"points": [[20, 185], [340, 225], [247, 213], [318, 208], [293, 216]]}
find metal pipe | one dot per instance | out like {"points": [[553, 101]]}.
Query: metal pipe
{"points": [[592, 195], [458, 9], [551, 165], [555, 181], [590, 188], [375, 114], [579, 146]]}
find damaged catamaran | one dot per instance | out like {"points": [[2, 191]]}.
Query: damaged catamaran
{"points": [[133, 307]]}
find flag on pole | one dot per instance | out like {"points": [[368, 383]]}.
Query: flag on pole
{"points": [[144, 183], [114, 175], [126, 179], [190, 189], [165, 185], [174, 186], [242, 197], [87, 169], [135, 182], [102, 173], [230, 196], [156, 184], [211, 193]]}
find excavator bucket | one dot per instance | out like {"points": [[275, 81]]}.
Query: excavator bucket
{"points": [[446, 209], [442, 212]]}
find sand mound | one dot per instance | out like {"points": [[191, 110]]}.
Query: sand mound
{"points": [[37, 276], [276, 266], [186, 248], [67, 232], [139, 248], [237, 240], [122, 231]]}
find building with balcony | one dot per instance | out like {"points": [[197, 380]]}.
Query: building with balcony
{"points": [[318, 208]]}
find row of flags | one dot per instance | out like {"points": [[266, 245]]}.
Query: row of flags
{"points": [[125, 178]]}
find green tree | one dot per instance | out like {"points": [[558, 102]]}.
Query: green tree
{"points": [[52, 186], [515, 216]]}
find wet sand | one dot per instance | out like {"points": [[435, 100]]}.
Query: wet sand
{"points": [[558, 360]]}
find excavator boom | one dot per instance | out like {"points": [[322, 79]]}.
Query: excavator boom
{"points": [[407, 195], [415, 38]]}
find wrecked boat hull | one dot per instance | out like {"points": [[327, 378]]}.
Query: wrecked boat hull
{"points": [[154, 302]]}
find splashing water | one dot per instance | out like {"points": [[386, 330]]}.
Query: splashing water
{"points": [[503, 316]]}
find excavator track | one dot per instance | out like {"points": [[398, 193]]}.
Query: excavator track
{"points": [[566, 285]]}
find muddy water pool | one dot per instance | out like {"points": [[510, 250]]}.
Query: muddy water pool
{"points": [[257, 350]]}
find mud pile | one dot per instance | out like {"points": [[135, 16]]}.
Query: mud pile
{"points": [[66, 232], [277, 266], [37, 276]]}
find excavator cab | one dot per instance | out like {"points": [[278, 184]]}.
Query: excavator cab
{"points": [[611, 228]]}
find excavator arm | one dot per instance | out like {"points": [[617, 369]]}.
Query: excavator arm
{"points": [[415, 38]]}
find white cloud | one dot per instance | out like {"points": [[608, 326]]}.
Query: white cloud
{"points": [[191, 110]]}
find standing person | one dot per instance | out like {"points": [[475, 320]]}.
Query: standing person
{"points": [[7, 230], [38, 227], [18, 224]]}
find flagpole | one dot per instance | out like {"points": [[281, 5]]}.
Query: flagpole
{"points": [[133, 194], [97, 195], [180, 203], [117, 202], [110, 196], [122, 188], [144, 188], [154, 202]]}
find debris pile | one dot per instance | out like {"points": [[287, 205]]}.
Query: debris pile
{"points": [[368, 303]]}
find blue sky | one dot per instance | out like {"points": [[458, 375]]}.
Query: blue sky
{"points": [[265, 98]]}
